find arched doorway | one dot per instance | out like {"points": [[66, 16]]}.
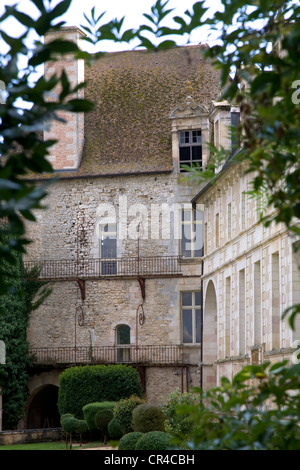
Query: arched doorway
{"points": [[42, 411], [210, 336]]}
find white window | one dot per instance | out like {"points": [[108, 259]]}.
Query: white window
{"points": [[190, 317], [191, 233], [190, 149], [108, 248]]}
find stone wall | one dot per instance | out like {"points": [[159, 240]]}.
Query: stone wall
{"points": [[8, 438], [68, 230], [255, 276]]}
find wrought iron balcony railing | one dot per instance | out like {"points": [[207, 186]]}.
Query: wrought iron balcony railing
{"points": [[84, 268], [148, 355]]}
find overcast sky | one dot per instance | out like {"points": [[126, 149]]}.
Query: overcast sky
{"points": [[132, 10]]}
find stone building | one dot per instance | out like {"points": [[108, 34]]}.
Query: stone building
{"points": [[121, 240], [150, 269], [250, 276]]}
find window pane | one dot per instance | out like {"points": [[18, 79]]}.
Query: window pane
{"points": [[198, 215], [186, 232], [186, 215], [109, 248], [123, 334], [187, 299], [184, 137], [198, 325], [186, 246], [187, 323], [197, 298], [198, 240], [197, 153], [197, 137], [184, 154]]}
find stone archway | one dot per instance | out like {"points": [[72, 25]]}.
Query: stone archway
{"points": [[210, 337], [42, 411]]}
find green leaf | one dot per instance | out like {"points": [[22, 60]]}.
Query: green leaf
{"points": [[263, 80], [166, 44], [60, 9], [80, 105], [24, 19]]}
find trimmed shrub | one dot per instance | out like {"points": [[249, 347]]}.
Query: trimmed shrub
{"points": [[146, 418], [154, 440], [114, 429], [72, 425], [123, 412], [89, 384], [179, 424], [128, 441], [91, 410], [69, 424], [64, 417], [102, 418]]}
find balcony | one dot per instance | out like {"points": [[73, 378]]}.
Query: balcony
{"points": [[142, 355], [97, 268]]}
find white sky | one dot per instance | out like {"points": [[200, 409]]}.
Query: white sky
{"points": [[132, 10]]}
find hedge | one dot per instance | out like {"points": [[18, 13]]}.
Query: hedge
{"points": [[81, 385]]}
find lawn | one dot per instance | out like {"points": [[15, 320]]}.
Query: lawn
{"points": [[50, 446]]}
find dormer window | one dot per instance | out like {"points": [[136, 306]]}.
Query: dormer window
{"points": [[190, 149]]}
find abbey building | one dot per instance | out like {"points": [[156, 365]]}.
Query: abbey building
{"points": [[148, 268]]}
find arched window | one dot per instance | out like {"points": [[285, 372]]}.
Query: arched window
{"points": [[123, 343]]}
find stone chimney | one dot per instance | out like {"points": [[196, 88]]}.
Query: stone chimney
{"points": [[67, 152]]}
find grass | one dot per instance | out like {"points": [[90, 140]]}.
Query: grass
{"points": [[61, 445]]}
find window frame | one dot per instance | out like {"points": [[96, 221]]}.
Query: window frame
{"points": [[123, 349], [194, 307], [110, 266], [190, 145], [192, 223]]}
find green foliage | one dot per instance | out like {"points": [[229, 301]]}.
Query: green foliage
{"points": [[102, 419], [80, 386], [82, 426], [258, 410], [114, 429], [129, 440], [91, 410], [22, 147], [154, 440], [147, 417], [270, 138], [21, 298], [123, 412], [71, 425], [176, 424]]}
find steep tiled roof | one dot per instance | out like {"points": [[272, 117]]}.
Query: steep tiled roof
{"points": [[129, 131]]}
